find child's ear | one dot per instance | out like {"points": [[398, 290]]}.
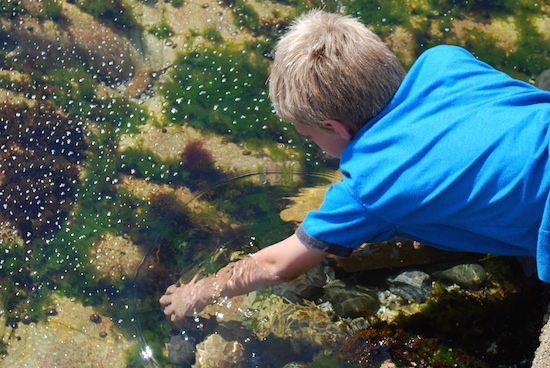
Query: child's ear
{"points": [[343, 128]]}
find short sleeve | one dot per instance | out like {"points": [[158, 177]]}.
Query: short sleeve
{"points": [[342, 224]]}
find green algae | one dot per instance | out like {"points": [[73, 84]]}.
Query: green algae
{"points": [[222, 89], [212, 34], [162, 30], [61, 261], [11, 8], [117, 11]]}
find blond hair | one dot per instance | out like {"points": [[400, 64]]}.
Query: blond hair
{"points": [[329, 66]]}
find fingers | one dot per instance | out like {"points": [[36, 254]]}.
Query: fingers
{"points": [[171, 289], [180, 300], [168, 310], [165, 299]]}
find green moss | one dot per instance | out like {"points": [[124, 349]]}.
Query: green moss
{"points": [[533, 51], [222, 89], [116, 10], [13, 273], [246, 16], [145, 164], [52, 9], [162, 30], [483, 46], [212, 34], [194, 32], [379, 14], [71, 86], [11, 8], [176, 3]]}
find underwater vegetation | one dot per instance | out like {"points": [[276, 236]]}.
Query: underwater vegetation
{"points": [[162, 30], [222, 89], [431, 23], [64, 172], [40, 151], [118, 11], [489, 327], [374, 345]]}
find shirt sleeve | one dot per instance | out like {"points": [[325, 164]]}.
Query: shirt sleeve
{"points": [[342, 224]]}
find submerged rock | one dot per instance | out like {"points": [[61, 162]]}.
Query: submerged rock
{"points": [[115, 257], [216, 352], [542, 355], [351, 301], [470, 275], [308, 286], [414, 286], [543, 80], [180, 350], [68, 338]]}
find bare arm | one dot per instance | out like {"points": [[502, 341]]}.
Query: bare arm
{"points": [[289, 258], [283, 261]]}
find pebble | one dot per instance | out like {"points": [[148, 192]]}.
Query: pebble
{"points": [[180, 351], [470, 275], [351, 301], [543, 80], [415, 286]]}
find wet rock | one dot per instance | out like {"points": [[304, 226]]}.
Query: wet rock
{"points": [[180, 350], [470, 275], [543, 80], [235, 331], [216, 352], [115, 257], [351, 301], [308, 286], [307, 200], [415, 286], [66, 339], [76, 37], [297, 365], [140, 83]]}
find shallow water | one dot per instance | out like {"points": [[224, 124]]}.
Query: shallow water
{"points": [[138, 147]]}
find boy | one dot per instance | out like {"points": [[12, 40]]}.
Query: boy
{"points": [[453, 155]]}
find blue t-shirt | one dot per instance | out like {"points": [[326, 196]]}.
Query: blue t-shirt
{"points": [[457, 160]]}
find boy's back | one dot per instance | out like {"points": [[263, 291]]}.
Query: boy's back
{"points": [[458, 160]]}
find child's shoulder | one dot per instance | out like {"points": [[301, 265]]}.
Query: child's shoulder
{"points": [[446, 50], [445, 54]]}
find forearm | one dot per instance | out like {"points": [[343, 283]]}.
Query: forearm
{"points": [[272, 265], [242, 277], [289, 258]]}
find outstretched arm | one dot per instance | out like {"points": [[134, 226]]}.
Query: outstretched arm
{"points": [[283, 261]]}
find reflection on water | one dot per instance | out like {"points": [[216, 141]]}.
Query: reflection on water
{"points": [[138, 147]]}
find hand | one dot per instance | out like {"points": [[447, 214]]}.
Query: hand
{"points": [[234, 279], [283, 261], [184, 300]]}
